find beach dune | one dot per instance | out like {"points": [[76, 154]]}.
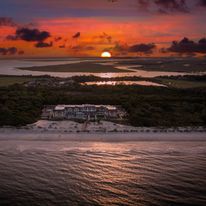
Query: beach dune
{"points": [[105, 131]]}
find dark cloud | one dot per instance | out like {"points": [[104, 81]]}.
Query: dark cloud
{"points": [[89, 48], [8, 51], [144, 4], [168, 6], [171, 5], [187, 46], [77, 35], [43, 44], [106, 37], [120, 48], [202, 3], [76, 48], [56, 39], [6, 21], [142, 48], [21, 52], [12, 37], [30, 35], [62, 46], [82, 48]]}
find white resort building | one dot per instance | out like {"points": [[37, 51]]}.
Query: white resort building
{"points": [[82, 112]]}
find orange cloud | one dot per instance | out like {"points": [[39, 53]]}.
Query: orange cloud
{"points": [[128, 31]]}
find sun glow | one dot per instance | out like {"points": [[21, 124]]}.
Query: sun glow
{"points": [[106, 55]]}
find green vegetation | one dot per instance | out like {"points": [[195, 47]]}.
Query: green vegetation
{"points": [[181, 103], [10, 80], [183, 82], [92, 78], [83, 67], [180, 82], [146, 106], [186, 65]]}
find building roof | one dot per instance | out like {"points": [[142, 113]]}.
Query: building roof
{"points": [[59, 108], [63, 107]]}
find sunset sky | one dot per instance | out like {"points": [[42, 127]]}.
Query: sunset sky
{"points": [[89, 27]]}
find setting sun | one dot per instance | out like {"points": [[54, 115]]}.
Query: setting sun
{"points": [[106, 55]]}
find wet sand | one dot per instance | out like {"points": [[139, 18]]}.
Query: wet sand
{"points": [[106, 131]]}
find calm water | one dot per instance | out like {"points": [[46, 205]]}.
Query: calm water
{"points": [[9, 67], [89, 173], [114, 83]]}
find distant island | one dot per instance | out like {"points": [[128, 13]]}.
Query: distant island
{"points": [[185, 65], [83, 67]]}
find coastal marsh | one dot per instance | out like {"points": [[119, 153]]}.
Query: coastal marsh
{"points": [[11, 80], [83, 67]]}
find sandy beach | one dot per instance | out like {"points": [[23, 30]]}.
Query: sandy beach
{"points": [[105, 131]]}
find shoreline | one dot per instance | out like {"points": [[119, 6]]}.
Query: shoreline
{"points": [[32, 135], [104, 131]]}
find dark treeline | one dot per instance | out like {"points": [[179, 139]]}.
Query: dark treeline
{"points": [[146, 106], [92, 78], [199, 78]]}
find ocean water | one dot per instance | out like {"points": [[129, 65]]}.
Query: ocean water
{"points": [[99, 173]]}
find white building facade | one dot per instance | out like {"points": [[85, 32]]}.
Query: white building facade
{"points": [[84, 112]]}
